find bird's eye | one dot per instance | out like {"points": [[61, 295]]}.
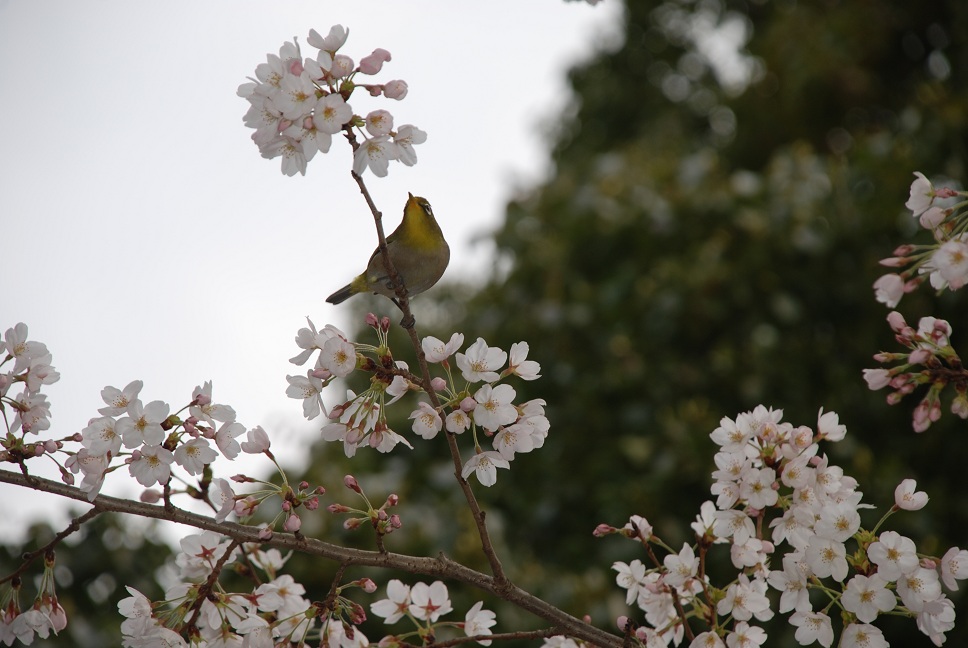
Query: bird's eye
{"points": [[426, 207]]}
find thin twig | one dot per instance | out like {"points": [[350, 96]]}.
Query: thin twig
{"points": [[209, 584], [408, 323], [30, 556]]}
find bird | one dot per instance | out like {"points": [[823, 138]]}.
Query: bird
{"points": [[417, 249]]}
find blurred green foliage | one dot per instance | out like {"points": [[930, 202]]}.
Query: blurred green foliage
{"points": [[725, 181]]}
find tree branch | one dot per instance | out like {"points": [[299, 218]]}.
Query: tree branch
{"points": [[30, 556], [439, 567]]}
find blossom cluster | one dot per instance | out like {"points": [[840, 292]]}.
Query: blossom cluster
{"points": [[424, 604], [32, 369], [930, 360], [298, 103], [488, 410], [772, 475], [274, 612], [144, 437], [944, 263]]}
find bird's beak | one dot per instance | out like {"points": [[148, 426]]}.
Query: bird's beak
{"points": [[410, 194]]}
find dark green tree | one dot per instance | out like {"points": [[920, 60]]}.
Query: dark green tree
{"points": [[725, 181]]}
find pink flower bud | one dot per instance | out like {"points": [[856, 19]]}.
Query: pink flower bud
{"points": [[292, 523], [350, 482], [392, 500], [920, 416], [395, 521], [78, 437], [265, 533], [603, 530], [876, 378], [396, 89], [919, 356], [373, 63], [468, 404], [50, 446], [303, 485], [286, 506], [150, 496], [622, 622], [959, 406], [320, 490], [896, 321], [945, 192], [367, 584], [438, 384], [338, 508], [372, 320], [385, 324], [68, 478], [312, 503], [351, 524], [357, 616], [57, 616], [940, 328]]}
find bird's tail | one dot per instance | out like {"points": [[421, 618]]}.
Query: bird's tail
{"points": [[341, 295]]}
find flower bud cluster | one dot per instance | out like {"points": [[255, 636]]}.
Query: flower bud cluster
{"points": [[297, 104], [930, 361], [488, 410], [943, 263], [772, 475], [382, 522], [44, 617]]}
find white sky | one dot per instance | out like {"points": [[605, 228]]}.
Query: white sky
{"points": [[143, 236]]}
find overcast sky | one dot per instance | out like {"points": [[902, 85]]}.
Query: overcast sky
{"points": [[145, 238]]}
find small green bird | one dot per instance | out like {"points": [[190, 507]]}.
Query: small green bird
{"points": [[417, 249]]}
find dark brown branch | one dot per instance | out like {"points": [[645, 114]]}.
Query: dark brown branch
{"points": [[206, 588], [439, 567], [500, 636]]}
